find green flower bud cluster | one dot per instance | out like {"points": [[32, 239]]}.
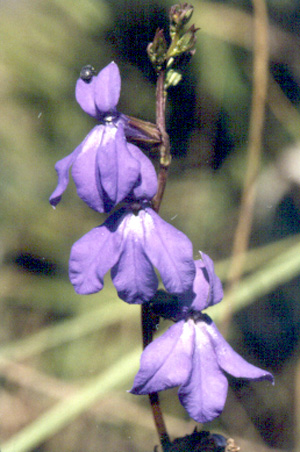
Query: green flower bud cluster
{"points": [[182, 44]]}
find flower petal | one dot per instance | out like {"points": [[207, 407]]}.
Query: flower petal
{"points": [[107, 88], [166, 362], [133, 275], [94, 254], [216, 290], [230, 361], [170, 251], [146, 185], [207, 285], [84, 170], [118, 169], [204, 393], [84, 93], [101, 94], [200, 287], [62, 168]]}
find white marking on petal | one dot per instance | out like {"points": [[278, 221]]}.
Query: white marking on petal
{"points": [[133, 225], [139, 225], [148, 222], [94, 139], [110, 133], [202, 338], [187, 331]]}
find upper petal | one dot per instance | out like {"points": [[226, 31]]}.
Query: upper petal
{"points": [[84, 171], [170, 251], [101, 94], [204, 393], [166, 362], [230, 361], [107, 88], [216, 290], [133, 275], [84, 93], [62, 168], [200, 287], [207, 285], [94, 254]]}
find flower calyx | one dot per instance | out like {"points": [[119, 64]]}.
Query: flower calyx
{"points": [[142, 132]]}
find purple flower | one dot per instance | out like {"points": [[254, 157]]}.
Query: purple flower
{"points": [[131, 244], [193, 354], [106, 169]]}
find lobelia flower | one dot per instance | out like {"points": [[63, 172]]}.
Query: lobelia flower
{"points": [[193, 354], [106, 168], [131, 243]]}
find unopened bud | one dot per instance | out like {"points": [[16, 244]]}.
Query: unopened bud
{"points": [[179, 16], [173, 78], [157, 49], [185, 43]]}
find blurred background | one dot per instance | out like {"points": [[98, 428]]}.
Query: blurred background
{"points": [[54, 342]]}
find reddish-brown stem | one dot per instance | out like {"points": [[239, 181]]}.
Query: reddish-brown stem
{"points": [[147, 321], [159, 420], [162, 180], [164, 147], [161, 104], [147, 329]]}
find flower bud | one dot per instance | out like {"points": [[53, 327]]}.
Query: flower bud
{"points": [[185, 43], [157, 49], [179, 16], [173, 78]]}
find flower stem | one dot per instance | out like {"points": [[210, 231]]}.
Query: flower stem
{"points": [[147, 321], [159, 420], [147, 329], [164, 147]]}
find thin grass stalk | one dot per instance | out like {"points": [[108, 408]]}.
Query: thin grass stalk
{"points": [[260, 80], [64, 332], [275, 273], [66, 411]]}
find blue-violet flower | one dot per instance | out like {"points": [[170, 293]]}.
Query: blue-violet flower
{"points": [[193, 354], [131, 244], [106, 168]]}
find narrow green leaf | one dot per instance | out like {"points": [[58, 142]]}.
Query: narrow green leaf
{"points": [[69, 409], [67, 331], [278, 271]]}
